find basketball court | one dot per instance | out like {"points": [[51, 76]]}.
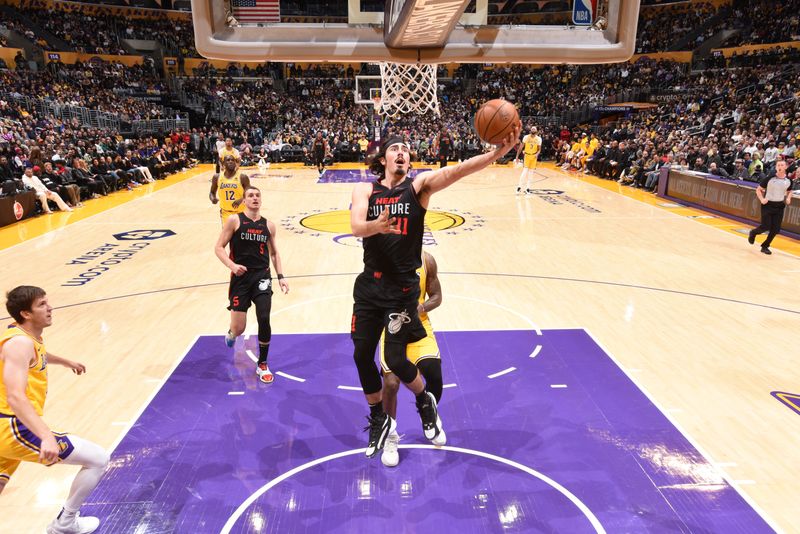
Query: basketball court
{"points": [[609, 367], [612, 362]]}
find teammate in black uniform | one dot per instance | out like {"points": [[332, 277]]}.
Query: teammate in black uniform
{"points": [[319, 149], [444, 147], [252, 241], [389, 214]]}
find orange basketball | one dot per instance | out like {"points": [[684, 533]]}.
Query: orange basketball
{"points": [[495, 120]]}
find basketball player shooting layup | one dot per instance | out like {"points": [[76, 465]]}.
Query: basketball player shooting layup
{"points": [[252, 241], [389, 214]]}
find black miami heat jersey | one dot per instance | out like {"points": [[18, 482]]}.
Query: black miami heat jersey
{"points": [[398, 254], [249, 244]]}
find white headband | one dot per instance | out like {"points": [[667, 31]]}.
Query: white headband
{"points": [[401, 143]]}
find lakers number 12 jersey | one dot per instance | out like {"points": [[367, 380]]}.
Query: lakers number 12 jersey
{"points": [[229, 190], [36, 390]]}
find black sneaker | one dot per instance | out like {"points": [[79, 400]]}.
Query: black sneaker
{"points": [[751, 237], [379, 428], [765, 250], [429, 414]]}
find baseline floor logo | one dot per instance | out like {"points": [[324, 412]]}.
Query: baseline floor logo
{"points": [[556, 198], [143, 235], [317, 223], [108, 255], [791, 400]]}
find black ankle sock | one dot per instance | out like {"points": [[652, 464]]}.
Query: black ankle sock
{"points": [[376, 409], [422, 398]]}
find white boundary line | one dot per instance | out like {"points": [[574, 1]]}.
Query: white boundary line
{"points": [[146, 403], [226, 529], [535, 352], [290, 377], [350, 388], [691, 440], [503, 372]]}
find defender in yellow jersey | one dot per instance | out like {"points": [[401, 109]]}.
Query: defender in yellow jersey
{"points": [[532, 145], [231, 185], [24, 436], [423, 353]]}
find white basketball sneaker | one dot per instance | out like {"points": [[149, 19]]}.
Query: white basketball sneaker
{"points": [[78, 525], [390, 456]]}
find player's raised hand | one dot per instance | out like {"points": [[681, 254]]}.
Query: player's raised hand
{"points": [[509, 142], [386, 224]]}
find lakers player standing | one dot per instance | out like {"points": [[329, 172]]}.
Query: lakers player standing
{"points": [[231, 185], [24, 436], [424, 354], [532, 144], [252, 244]]}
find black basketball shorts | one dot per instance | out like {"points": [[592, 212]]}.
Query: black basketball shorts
{"points": [[244, 289], [381, 302]]}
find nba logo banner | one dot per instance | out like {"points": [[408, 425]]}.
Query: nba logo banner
{"points": [[583, 12]]}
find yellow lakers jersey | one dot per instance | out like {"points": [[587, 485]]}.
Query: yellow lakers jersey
{"points": [[230, 190], [36, 391], [532, 144]]}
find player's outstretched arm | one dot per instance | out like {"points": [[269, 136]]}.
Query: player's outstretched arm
{"points": [[275, 256], [17, 353], [77, 367], [430, 182]]}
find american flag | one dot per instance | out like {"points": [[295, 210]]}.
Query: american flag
{"points": [[256, 10]]}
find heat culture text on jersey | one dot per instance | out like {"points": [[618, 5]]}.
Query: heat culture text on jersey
{"points": [[395, 253], [249, 244]]}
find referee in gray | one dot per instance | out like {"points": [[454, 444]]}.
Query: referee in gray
{"points": [[774, 193]]}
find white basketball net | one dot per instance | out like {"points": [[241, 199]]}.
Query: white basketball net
{"points": [[408, 88]]}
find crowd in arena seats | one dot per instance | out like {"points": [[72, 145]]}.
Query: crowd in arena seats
{"points": [[97, 85], [176, 35], [659, 29], [66, 164], [763, 21], [731, 123], [91, 33]]}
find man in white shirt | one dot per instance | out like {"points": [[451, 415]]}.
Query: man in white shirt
{"points": [[42, 193]]}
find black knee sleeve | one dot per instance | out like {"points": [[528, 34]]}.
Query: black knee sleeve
{"points": [[431, 370], [364, 356], [263, 306], [395, 354]]}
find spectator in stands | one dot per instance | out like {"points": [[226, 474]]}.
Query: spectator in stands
{"points": [[739, 170], [43, 194]]}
